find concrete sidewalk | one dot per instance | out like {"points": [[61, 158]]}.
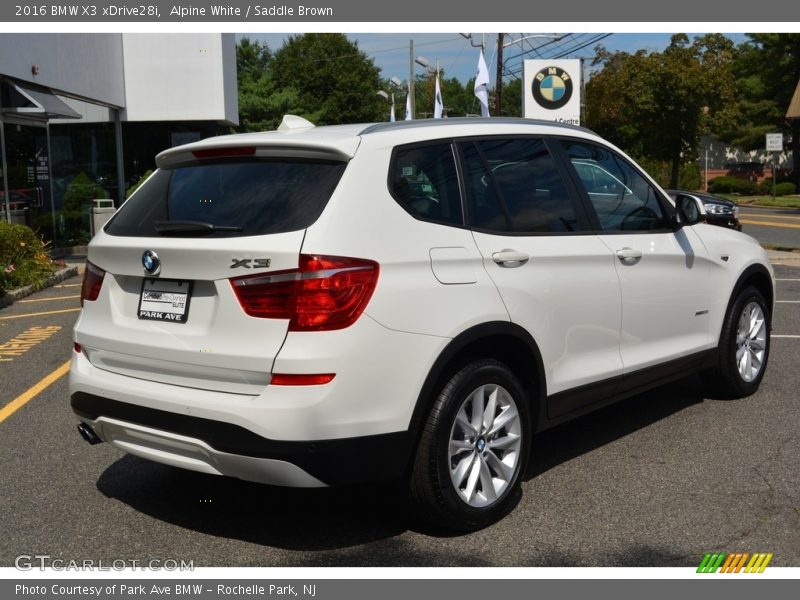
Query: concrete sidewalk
{"points": [[778, 257]]}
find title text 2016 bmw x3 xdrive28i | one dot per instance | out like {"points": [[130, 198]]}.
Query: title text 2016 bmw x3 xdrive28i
{"points": [[319, 306]]}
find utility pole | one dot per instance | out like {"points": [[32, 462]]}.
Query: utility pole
{"points": [[498, 86]]}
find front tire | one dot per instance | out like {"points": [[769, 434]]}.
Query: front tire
{"points": [[743, 348], [474, 448]]}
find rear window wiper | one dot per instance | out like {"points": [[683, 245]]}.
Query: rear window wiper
{"points": [[180, 227]]}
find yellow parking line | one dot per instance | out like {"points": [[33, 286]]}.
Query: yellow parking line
{"points": [[769, 224], [49, 299], [68, 285], [40, 314], [766, 216], [21, 400]]}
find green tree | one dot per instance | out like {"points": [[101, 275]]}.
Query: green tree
{"points": [[261, 104], [512, 98], [657, 105], [767, 69], [333, 80], [252, 58], [457, 97]]}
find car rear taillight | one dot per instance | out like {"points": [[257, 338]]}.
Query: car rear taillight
{"points": [[92, 282], [324, 293]]}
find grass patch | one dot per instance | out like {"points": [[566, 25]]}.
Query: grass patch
{"points": [[778, 202], [780, 248]]}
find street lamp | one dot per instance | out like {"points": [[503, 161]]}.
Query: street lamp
{"points": [[397, 83], [426, 64], [389, 98]]}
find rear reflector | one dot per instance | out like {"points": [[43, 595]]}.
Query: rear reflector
{"points": [[291, 379], [77, 348], [325, 293], [224, 152], [92, 282]]}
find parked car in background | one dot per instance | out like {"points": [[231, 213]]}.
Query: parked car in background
{"points": [[719, 211], [407, 301]]}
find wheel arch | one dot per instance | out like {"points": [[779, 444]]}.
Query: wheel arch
{"points": [[504, 341], [757, 276]]}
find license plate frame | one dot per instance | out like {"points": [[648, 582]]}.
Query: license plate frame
{"points": [[173, 309]]}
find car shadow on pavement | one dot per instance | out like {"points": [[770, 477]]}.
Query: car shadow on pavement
{"points": [[293, 519], [565, 442], [348, 517]]}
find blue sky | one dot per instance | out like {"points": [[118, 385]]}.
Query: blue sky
{"points": [[459, 59]]}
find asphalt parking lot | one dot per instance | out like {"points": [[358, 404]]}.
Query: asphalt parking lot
{"points": [[778, 227], [657, 480]]}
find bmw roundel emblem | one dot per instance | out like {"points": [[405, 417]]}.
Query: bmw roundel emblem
{"points": [[552, 88], [151, 262]]}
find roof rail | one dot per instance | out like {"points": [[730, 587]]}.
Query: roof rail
{"points": [[419, 123]]}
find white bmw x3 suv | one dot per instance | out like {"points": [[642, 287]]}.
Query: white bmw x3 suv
{"points": [[326, 305]]}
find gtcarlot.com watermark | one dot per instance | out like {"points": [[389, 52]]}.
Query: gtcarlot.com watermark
{"points": [[43, 562]]}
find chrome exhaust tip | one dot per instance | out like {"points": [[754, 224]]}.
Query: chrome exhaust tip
{"points": [[88, 434]]}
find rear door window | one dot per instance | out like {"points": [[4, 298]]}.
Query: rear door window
{"points": [[255, 197], [514, 185]]}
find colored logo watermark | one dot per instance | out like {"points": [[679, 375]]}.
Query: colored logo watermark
{"points": [[739, 562]]}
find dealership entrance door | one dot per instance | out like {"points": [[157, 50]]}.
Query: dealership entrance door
{"points": [[27, 159], [26, 194]]}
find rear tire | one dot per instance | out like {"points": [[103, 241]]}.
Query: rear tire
{"points": [[474, 448], [743, 347]]}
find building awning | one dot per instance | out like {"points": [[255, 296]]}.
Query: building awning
{"points": [[34, 102], [794, 105]]}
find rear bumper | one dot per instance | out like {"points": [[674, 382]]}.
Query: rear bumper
{"points": [[223, 448]]}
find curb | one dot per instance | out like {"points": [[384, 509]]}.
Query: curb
{"points": [[57, 277]]}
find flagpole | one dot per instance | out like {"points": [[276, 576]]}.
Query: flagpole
{"points": [[411, 102]]}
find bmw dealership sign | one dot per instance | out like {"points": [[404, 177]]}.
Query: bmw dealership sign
{"points": [[553, 90]]}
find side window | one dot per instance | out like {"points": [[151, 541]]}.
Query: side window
{"points": [[514, 185], [423, 180], [622, 198]]}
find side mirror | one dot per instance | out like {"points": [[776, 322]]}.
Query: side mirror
{"points": [[689, 210]]}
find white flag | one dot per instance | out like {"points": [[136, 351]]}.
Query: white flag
{"points": [[482, 85], [409, 116], [437, 102]]}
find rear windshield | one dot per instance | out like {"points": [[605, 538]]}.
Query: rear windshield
{"points": [[255, 197]]}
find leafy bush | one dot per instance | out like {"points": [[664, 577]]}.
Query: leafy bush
{"points": [[733, 185], [24, 257], [783, 189]]}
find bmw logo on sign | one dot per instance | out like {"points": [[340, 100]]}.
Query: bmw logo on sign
{"points": [[552, 88], [151, 262]]}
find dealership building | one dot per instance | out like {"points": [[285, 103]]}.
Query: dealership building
{"points": [[82, 117]]}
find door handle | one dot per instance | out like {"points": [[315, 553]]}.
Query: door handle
{"points": [[629, 256], [510, 258]]}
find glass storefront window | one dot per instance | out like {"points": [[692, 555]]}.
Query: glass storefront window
{"points": [[28, 176], [84, 167]]}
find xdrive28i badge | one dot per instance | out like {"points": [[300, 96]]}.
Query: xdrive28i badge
{"points": [[552, 88], [151, 262]]}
